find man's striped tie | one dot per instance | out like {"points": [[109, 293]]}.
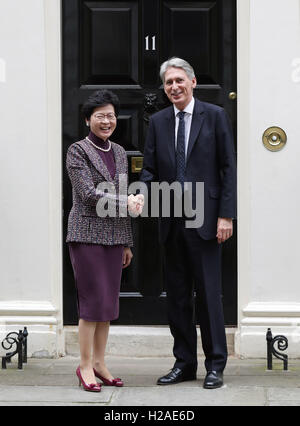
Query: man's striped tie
{"points": [[180, 155]]}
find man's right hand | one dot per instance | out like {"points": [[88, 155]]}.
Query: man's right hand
{"points": [[136, 204]]}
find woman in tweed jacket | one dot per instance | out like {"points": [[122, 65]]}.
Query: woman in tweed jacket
{"points": [[99, 246]]}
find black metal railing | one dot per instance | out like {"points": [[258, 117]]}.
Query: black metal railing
{"points": [[282, 345], [20, 342]]}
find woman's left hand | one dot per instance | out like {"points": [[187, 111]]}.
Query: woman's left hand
{"points": [[127, 256]]}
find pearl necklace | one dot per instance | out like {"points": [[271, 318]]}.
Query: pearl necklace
{"points": [[98, 147]]}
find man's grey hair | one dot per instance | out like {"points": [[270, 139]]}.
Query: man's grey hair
{"points": [[177, 63]]}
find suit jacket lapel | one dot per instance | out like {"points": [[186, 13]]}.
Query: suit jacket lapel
{"points": [[96, 160], [197, 121], [170, 139]]}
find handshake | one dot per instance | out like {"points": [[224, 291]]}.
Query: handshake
{"points": [[135, 204]]}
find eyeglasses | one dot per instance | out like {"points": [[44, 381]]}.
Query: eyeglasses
{"points": [[99, 117]]}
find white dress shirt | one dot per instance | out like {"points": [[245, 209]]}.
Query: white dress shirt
{"points": [[187, 120]]}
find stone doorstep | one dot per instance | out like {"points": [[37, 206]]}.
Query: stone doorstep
{"points": [[138, 341]]}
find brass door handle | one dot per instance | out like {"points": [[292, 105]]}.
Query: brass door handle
{"points": [[232, 96]]}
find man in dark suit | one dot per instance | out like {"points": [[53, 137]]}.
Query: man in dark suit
{"points": [[191, 141]]}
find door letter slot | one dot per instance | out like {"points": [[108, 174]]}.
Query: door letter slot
{"points": [[136, 164]]}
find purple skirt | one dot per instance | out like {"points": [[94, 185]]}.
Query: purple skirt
{"points": [[97, 272]]}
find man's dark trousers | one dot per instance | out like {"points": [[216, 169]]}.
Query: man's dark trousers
{"points": [[194, 264]]}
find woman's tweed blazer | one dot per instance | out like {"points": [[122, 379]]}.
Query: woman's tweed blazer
{"points": [[86, 170]]}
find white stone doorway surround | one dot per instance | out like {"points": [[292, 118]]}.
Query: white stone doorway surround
{"points": [[268, 193]]}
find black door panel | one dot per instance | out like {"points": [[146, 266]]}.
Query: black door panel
{"points": [[119, 45]]}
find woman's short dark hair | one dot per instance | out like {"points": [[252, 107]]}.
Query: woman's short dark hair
{"points": [[98, 99]]}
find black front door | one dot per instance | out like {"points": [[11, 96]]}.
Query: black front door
{"points": [[119, 45]]}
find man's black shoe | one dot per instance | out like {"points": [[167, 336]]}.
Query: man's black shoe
{"points": [[213, 380], [176, 375]]}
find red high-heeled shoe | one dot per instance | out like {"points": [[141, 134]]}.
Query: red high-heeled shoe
{"points": [[107, 382], [93, 387]]}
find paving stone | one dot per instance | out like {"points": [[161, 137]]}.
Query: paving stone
{"points": [[189, 396], [284, 394], [53, 382], [59, 394]]}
